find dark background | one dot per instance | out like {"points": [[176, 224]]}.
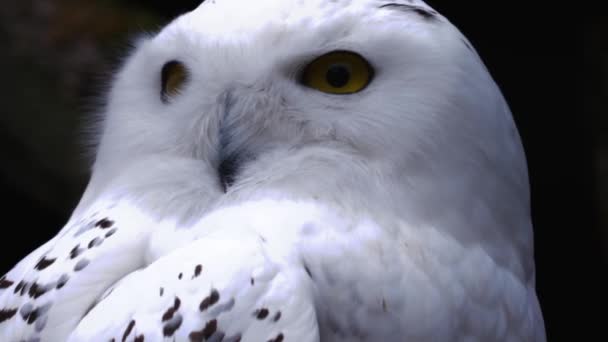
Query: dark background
{"points": [[552, 68]]}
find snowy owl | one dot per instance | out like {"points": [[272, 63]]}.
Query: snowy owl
{"points": [[289, 170]]}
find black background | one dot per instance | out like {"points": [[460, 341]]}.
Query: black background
{"points": [[552, 79]]}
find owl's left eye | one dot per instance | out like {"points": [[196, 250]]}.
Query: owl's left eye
{"points": [[174, 76], [338, 72]]}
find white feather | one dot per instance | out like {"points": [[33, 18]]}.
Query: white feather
{"points": [[400, 212]]}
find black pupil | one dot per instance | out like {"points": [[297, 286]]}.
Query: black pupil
{"points": [[337, 75]]}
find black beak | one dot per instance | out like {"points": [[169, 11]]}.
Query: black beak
{"points": [[227, 171], [228, 158]]}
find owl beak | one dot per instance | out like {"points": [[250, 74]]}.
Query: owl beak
{"points": [[227, 171], [229, 157]]}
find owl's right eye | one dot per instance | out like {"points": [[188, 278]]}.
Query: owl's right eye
{"points": [[174, 76], [338, 72]]}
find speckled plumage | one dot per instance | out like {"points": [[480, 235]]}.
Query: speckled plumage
{"points": [[398, 213]]}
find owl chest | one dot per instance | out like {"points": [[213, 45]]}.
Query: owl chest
{"points": [[378, 288]]}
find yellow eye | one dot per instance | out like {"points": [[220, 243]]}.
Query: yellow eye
{"points": [[338, 72], [173, 77]]}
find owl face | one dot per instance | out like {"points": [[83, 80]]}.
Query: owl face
{"points": [[315, 97]]}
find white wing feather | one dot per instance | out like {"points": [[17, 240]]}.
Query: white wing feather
{"points": [[210, 290], [99, 281], [47, 294]]}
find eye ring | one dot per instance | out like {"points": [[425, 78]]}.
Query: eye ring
{"points": [[174, 75], [338, 72]]}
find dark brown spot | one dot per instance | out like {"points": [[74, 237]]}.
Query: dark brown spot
{"points": [[162, 291], [277, 316], [111, 232], [104, 223], [211, 299], [33, 316], [36, 290], [171, 327], [62, 281], [176, 303], [196, 336], [128, 330], [279, 338], [204, 334], [5, 283], [179, 276], [197, 270], [95, 242], [6, 314], [168, 315], [81, 264], [139, 338], [24, 287], [171, 311], [75, 252], [252, 281], [44, 263], [261, 313], [19, 286]]}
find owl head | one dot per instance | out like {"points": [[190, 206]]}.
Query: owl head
{"points": [[376, 107]]}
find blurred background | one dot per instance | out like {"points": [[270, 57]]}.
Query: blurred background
{"points": [[57, 56]]}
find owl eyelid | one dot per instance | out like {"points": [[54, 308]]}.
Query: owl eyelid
{"points": [[297, 68]]}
